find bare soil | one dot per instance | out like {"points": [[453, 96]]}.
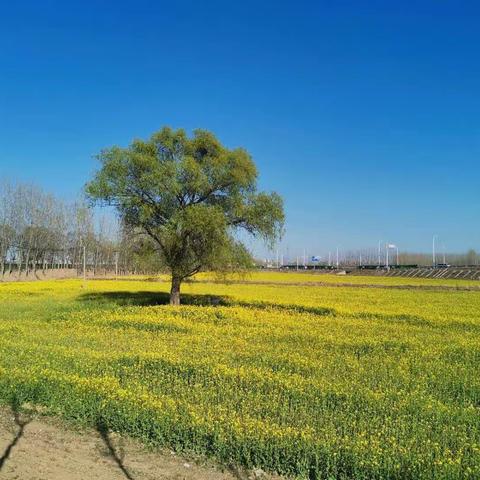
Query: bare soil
{"points": [[61, 273], [38, 448], [53, 274]]}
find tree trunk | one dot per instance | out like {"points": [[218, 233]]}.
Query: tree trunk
{"points": [[175, 291], [27, 263], [19, 263]]}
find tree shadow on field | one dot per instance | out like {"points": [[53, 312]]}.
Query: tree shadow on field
{"points": [[117, 454], [146, 298], [21, 424]]}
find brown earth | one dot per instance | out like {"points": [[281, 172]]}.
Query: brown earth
{"points": [[40, 448], [52, 274]]}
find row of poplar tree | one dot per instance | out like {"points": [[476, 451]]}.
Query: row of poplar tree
{"points": [[40, 232]]}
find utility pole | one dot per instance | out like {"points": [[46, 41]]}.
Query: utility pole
{"points": [[379, 260], [304, 258], [329, 259], [297, 262], [337, 258], [386, 255], [397, 257], [444, 261], [434, 260]]}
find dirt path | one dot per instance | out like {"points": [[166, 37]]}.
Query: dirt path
{"points": [[42, 449]]}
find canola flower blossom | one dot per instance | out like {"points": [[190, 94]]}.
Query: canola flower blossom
{"points": [[306, 381]]}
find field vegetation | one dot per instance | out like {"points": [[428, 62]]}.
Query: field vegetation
{"points": [[292, 277], [326, 382]]}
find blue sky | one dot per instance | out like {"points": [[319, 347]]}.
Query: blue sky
{"points": [[365, 116]]}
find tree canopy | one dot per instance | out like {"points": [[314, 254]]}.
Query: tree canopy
{"points": [[190, 195]]}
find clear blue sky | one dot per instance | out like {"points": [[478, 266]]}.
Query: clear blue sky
{"points": [[364, 115]]}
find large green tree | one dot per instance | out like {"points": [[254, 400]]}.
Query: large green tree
{"points": [[191, 196]]}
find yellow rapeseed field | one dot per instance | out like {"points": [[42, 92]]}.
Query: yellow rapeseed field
{"points": [[319, 276], [312, 381]]}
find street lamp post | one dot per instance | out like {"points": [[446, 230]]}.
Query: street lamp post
{"points": [[388, 246]]}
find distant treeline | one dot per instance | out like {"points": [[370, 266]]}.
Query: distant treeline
{"points": [[375, 256], [370, 256], [39, 231]]}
